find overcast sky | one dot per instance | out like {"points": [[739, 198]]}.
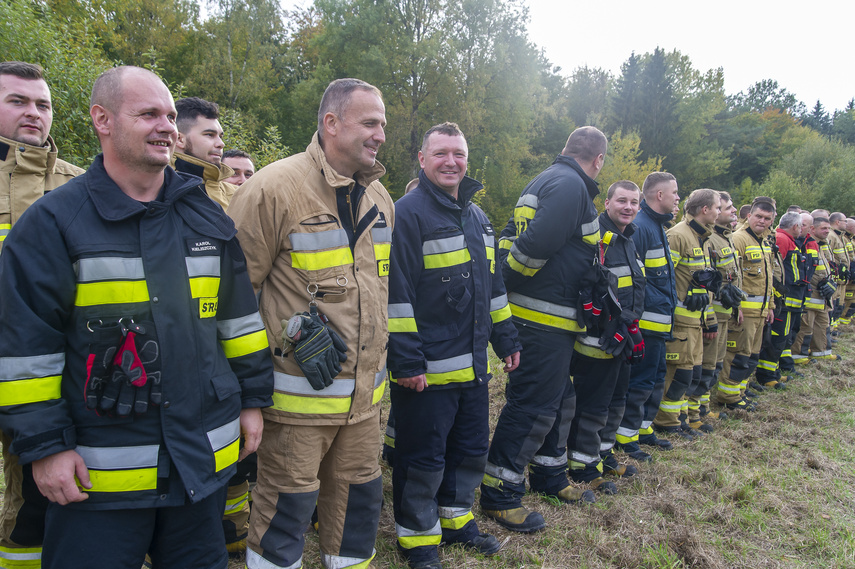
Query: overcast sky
{"points": [[805, 46]]}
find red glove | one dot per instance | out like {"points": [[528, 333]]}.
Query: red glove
{"points": [[637, 341]]}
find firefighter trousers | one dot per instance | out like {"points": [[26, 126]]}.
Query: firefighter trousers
{"points": [[22, 521], [646, 384], [333, 466], [780, 337], [534, 424], [743, 352], [682, 355], [812, 334]]}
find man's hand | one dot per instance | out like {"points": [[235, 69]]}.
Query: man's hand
{"points": [[710, 335], [740, 317], [55, 477], [418, 382], [770, 317], [512, 362], [251, 425]]}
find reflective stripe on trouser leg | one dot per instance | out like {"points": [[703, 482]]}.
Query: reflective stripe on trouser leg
{"points": [[594, 381], [616, 409], [643, 378], [281, 545], [456, 496], [546, 471], [672, 401], [728, 390], [534, 394], [770, 352], [236, 515], [22, 527]]}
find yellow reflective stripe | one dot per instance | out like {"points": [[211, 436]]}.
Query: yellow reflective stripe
{"points": [[456, 376], [624, 282], [728, 389], [204, 287], [111, 292], [310, 405], [675, 257], [524, 212], [653, 326], [767, 365], [501, 314], [382, 250], [227, 455], [814, 303], [491, 258], [412, 541], [20, 557], [4, 230], [670, 406], [403, 325], [456, 523], [378, 393], [680, 311], [132, 480], [440, 260], [244, 345], [519, 267], [546, 319], [505, 243], [21, 391], [317, 260], [591, 351]]}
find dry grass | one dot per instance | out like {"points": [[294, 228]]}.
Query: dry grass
{"points": [[770, 489]]}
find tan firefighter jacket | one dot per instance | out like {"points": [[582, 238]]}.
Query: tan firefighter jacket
{"points": [[213, 176], [291, 218]]}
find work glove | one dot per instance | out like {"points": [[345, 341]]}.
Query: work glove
{"points": [[709, 279], [136, 379], [696, 299], [615, 338], [731, 295], [318, 350], [637, 340], [597, 300], [827, 289]]}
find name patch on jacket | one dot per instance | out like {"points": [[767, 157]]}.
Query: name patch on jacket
{"points": [[201, 246]]}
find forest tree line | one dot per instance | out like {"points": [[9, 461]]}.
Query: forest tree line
{"points": [[467, 61]]}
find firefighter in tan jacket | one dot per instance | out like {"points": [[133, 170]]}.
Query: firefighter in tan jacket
{"points": [[199, 150], [744, 339], [316, 228], [29, 168]]}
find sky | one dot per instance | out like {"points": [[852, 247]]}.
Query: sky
{"points": [[805, 47]]}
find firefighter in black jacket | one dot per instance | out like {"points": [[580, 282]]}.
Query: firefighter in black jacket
{"points": [[544, 249]]}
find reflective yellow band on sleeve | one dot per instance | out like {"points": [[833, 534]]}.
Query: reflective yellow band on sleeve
{"points": [[22, 391], [501, 314], [403, 325], [244, 345]]}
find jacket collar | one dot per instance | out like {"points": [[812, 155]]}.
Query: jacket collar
{"points": [[722, 230], [113, 204], [468, 188], [208, 171], [787, 236], [660, 218], [609, 225], [703, 231], [590, 183], [27, 159], [335, 179]]}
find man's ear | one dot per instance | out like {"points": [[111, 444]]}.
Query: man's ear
{"points": [[179, 144], [102, 119], [330, 124]]}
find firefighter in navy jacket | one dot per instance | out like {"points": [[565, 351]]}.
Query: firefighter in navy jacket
{"points": [[152, 269], [446, 301], [545, 251]]}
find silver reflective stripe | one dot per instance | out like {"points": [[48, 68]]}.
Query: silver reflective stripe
{"points": [[589, 341], [524, 259], [405, 532], [591, 227], [657, 253], [339, 562], [4, 232], [527, 200], [504, 474], [318, 241], [35, 556], [109, 268], [628, 433], [606, 446], [656, 317], [755, 298], [381, 234], [380, 377], [256, 561], [28, 367], [401, 310], [450, 364], [119, 458], [542, 306], [498, 303], [300, 385], [489, 241], [542, 460], [202, 266], [222, 437], [446, 245], [450, 513], [236, 327], [646, 424], [390, 431], [623, 271], [582, 457]]}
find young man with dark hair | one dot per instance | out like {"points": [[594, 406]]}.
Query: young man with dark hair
{"points": [[241, 163], [30, 169], [200, 146]]}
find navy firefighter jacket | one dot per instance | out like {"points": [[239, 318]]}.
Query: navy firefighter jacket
{"points": [[446, 298]]}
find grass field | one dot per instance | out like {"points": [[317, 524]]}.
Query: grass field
{"points": [[769, 489]]}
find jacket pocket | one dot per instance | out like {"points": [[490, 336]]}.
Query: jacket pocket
{"points": [[225, 385]]}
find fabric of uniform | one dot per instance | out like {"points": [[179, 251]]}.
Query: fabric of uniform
{"points": [[686, 350], [837, 248], [305, 227], [744, 340], [26, 174], [849, 295], [811, 338], [212, 175], [795, 280], [647, 379], [236, 513], [724, 260], [554, 232], [446, 302], [76, 261], [600, 380]]}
